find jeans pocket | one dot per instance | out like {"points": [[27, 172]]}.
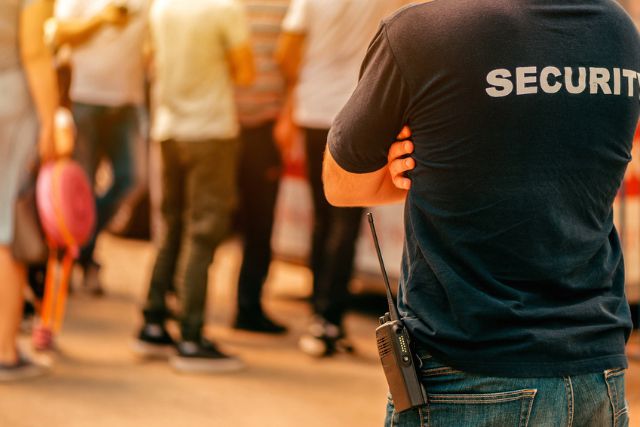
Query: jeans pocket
{"points": [[504, 409], [615, 387], [510, 408]]}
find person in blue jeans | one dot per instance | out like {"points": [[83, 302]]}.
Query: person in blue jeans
{"points": [[109, 133], [522, 116], [107, 92]]}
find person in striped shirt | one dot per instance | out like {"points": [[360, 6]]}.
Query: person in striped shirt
{"points": [[259, 106]]}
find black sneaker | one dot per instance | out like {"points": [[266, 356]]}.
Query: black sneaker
{"points": [[154, 342], [258, 323], [324, 338], [21, 370], [203, 358]]}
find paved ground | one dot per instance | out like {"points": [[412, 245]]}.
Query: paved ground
{"points": [[96, 382]]}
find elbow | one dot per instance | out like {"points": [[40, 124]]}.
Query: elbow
{"points": [[338, 198], [335, 194], [329, 183], [332, 196], [245, 78]]}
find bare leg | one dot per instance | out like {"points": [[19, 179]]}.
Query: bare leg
{"points": [[11, 300]]}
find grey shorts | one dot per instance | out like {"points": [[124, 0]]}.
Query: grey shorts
{"points": [[18, 136]]}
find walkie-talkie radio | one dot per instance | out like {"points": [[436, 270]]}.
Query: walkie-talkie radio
{"points": [[394, 348]]}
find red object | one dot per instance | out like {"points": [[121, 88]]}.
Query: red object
{"points": [[66, 207], [65, 204]]}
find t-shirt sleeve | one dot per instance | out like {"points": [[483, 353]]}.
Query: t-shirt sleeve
{"points": [[368, 124], [235, 26], [297, 18], [66, 9]]}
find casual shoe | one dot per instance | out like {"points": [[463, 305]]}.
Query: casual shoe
{"points": [[42, 338], [154, 342], [324, 338], [258, 323], [21, 370], [203, 358], [91, 279]]}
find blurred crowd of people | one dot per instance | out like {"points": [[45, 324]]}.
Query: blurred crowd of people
{"points": [[232, 82]]}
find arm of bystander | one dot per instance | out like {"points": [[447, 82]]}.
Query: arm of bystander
{"points": [[38, 64], [76, 31]]}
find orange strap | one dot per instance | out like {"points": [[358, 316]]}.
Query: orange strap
{"points": [[63, 291], [57, 209], [49, 290]]}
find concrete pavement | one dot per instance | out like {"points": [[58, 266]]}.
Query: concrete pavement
{"points": [[96, 381]]}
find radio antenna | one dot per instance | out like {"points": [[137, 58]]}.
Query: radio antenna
{"points": [[393, 311]]}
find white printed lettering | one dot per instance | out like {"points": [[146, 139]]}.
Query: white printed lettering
{"points": [[500, 84], [616, 81], [544, 80], [551, 80], [526, 76], [631, 77], [582, 80], [599, 78]]}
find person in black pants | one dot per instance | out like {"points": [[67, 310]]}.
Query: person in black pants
{"points": [[259, 107], [321, 80], [335, 233], [258, 182]]}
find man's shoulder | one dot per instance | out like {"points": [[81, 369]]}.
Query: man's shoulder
{"points": [[439, 21], [442, 13], [430, 20]]}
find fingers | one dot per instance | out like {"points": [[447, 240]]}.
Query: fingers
{"points": [[399, 161], [405, 133], [397, 169], [399, 149]]}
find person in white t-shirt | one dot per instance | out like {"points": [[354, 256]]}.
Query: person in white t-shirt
{"points": [[107, 88], [320, 52], [200, 48]]}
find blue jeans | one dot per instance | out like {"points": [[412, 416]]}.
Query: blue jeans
{"points": [[107, 133], [458, 399]]}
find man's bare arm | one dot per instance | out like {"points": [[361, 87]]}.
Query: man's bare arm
{"points": [[242, 65], [77, 31], [289, 55], [38, 65], [385, 186]]}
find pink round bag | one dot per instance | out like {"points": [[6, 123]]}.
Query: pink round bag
{"points": [[65, 204]]}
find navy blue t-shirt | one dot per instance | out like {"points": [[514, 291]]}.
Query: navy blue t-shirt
{"points": [[522, 113]]}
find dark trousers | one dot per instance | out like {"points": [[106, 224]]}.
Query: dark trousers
{"points": [[334, 238], [199, 194], [106, 133], [258, 181]]}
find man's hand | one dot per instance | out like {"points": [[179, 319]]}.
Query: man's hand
{"points": [[114, 15], [399, 161], [286, 131]]}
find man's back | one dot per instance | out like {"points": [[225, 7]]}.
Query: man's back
{"points": [[522, 116], [108, 69], [194, 87], [336, 36]]}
